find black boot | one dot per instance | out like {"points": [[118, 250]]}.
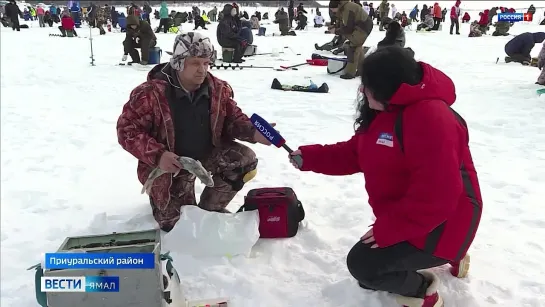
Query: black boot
{"points": [[347, 77]]}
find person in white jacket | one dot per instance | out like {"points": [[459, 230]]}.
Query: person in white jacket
{"points": [[319, 20], [393, 10], [366, 7]]}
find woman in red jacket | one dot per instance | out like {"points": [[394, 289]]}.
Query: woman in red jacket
{"points": [[67, 24], [412, 149]]}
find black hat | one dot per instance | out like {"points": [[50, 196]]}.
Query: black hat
{"points": [[333, 4]]}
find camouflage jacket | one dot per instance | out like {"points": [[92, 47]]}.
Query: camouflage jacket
{"points": [[146, 130], [103, 14]]}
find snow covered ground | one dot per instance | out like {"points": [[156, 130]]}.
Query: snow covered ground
{"points": [[64, 174]]}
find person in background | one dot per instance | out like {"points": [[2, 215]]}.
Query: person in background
{"points": [[102, 18], [356, 26], [466, 18], [454, 16], [414, 14], [184, 110], [48, 19], [32, 12], [213, 14], [393, 11], [114, 16], [254, 20], [437, 16], [384, 10], [67, 24], [302, 20], [291, 13], [518, 48], [426, 24], [319, 20], [139, 35], [164, 21], [40, 12], [474, 29], [483, 21], [13, 12], [146, 9], [502, 28], [228, 33], [424, 12], [425, 195]]}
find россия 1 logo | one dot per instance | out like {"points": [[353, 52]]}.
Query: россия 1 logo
{"points": [[514, 17]]}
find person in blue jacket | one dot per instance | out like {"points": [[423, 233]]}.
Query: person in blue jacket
{"points": [[518, 49], [75, 12], [246, 32], [414, 13]]}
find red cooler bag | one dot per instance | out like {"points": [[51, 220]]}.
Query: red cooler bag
{"points": [[279, 211]]}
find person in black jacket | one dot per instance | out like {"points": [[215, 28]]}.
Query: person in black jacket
{"points": [[302, 21], [13, 12], [291, 13], [300, 8], [228, 33]]}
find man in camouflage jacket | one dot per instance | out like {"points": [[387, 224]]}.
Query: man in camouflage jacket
{"points": [[183, 110], [355, 27]]}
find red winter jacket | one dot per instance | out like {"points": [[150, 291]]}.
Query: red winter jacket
{"points": [[67, 22], [427, 195], [455, 11], [484, 18]]}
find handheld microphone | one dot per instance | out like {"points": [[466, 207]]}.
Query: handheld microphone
{"points": [[274, 137]]}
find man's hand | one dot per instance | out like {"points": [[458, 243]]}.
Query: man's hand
{"points": [[169, 162], [258, 137]]}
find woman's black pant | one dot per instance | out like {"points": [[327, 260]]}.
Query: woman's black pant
{"points": [[392, 269]]}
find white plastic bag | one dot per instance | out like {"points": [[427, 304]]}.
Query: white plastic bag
{"points": [[203, 233]]}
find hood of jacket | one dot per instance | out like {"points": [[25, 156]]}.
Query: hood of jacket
{"points": [[133, 20], [435, 85], [227, 9], [163, 5], [343, 3], [539, 37]]}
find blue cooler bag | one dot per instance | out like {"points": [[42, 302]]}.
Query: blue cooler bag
{"points": [[155, 55]]}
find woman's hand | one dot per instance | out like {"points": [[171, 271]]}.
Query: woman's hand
{"points": [[369, 238], [295, 153]]}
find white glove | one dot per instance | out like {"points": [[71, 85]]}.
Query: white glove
{"points": [[124, 58], [137, 40]]}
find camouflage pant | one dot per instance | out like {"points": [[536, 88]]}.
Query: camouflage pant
{"points": [[354, 52], [228, 162]]}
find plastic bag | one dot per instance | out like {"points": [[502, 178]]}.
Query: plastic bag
{"points": [[204, 233]]}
